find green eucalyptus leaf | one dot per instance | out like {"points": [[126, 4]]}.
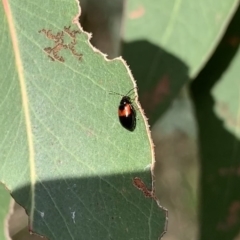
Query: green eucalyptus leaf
{"points": [[64, 155], [4, 210]]}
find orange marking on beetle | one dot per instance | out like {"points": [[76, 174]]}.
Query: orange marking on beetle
{"points": [[125, 112]]}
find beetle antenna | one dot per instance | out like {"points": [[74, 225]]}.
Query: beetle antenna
{"points": [[130, 91], [111, 92]]}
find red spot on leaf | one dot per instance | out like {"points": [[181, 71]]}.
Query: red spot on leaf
{"points": [[162, 89], [151, 99], [139, 12], [233, 217], [233, 41], [138, 183]]}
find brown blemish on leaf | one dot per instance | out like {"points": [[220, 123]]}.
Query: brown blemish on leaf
{"points": [[232, 171], [161, 90], [233, 41], [139, 184], [74, 52], [72, 33], [153, 98], [233, 217], [59, 43], [48, 50], [52, 59], [56, 38], [55, 51], [71, 46], [139, 12]]}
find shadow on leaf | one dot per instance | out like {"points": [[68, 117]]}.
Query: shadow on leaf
{"points": [[159, 74], [103, 207]]}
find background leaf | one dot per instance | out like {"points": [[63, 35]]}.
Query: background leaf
{"points": [[219, 149], [226, 91], [168, 42], [65, 157]]}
